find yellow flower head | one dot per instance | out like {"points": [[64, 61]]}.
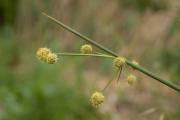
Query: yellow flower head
{"points": [[97, 99], [119, 62], [131, 79], [135, 62], [86, 49], [42, 53], [51, 58]]}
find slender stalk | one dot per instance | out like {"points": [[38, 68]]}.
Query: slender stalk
{"points": [[98, 53], [80, 35], [139, 68], [156, 77], [79, 54], [120, 71], [110, 81]]}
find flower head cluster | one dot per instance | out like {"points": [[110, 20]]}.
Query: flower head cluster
{"points": [[86, 49], [45, 55], [97, 99], [119, 62], [131, 79]]}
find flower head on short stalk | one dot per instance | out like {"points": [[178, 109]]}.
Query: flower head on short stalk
{"points": [[86, 49], [119, 62], [135, 62], [51, 58], [97, 98], [131, 79], [42, 54]]}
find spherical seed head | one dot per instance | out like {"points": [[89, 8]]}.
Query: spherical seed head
{"points": [[51, 58], [97, 99], [119, 62], [86, 49], [131, 79], [42, 53]]}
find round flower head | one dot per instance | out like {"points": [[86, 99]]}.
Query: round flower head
{"points": [[135, 62], [86, 49], [131, 79], [51, 58], [42, 53], [97, 99], [119, 62]]}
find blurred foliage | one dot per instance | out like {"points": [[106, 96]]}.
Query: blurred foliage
{"points": [[143, 5], [8, 11], [170, 58], [175, 28], [177, 115]]}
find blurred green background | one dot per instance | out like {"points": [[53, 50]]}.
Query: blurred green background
{"points": [[144, 30]]}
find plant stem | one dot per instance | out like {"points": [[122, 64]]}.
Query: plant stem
{"points": [[80, 54], [139, 68], [79, 35], [156, 77], [110, 81], [119, 75]]}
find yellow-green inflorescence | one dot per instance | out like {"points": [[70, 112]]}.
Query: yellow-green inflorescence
{"points": [[42, 54], [97, 98], [131, 79], [119, 62], [52, 58], [135, 62], [86, 49], [45, 55]]}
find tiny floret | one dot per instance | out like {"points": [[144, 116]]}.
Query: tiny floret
{"points": [[51, 58], [131, 79], [86, 49], [119, 62], [135, 62], [42, 54], [97, 99]]}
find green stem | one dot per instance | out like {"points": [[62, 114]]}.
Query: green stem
{"points": [[141, 69], [156, 77], [79, 34], [119, 75], [80, 54], [110, 81]]}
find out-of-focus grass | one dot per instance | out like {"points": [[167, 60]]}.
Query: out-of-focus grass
{"points": [[143, 5], [170, 58]]}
